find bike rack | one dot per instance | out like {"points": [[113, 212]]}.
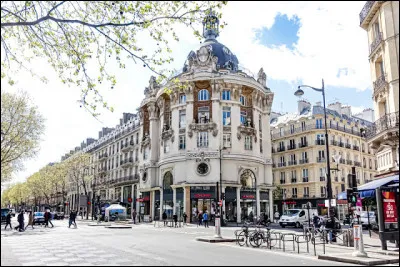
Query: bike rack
{"points": [[306, 237], [292, 239], [323, 242]]}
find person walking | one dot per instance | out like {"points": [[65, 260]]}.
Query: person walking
{"points": [[175, 217], [8, 220], [72, 217], [30, 221], [134, 216], [205, 219], [20, 219], [200, 217], [164, 217], [47, 219], [276, 215], [184, 217]]}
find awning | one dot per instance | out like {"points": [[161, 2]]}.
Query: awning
{"points": [[342, 195], [368, 189]]}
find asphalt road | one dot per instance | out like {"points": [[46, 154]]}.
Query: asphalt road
{"points": [[141, 245]]}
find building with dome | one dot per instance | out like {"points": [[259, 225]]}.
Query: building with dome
{"points": [[205, 135]]}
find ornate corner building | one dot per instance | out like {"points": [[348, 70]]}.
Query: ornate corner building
{"points": [[211, 126], [381, 21]]}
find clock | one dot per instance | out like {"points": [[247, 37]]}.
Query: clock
{"points": [[203, 168]]}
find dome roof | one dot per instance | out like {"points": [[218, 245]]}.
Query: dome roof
{"points": [[226, 59]]}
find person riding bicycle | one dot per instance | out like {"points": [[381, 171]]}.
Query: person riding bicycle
{"points": [[316, 221]]}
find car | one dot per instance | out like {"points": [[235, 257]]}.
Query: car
{"points": [[4, 213], [59, 216], [38, 217], [364, 218]]}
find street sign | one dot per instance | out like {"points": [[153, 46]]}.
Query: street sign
{"points": [[220, 203], [359, 206], [389, 207], [333, 203]]}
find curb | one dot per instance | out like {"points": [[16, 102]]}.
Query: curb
{"points": [[119, 227], [214, 240], [358, 261]]}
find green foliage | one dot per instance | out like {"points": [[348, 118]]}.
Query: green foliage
{"points": [[21, 129], [277, 193], [72, 35]]}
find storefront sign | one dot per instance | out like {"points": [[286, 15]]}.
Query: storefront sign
{"points": [[199, 195], [248, 197], [289, 202], [389, 207]]}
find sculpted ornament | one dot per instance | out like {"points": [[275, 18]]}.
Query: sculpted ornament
{"points": [[262, 77]]}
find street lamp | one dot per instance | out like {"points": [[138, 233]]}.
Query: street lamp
{"points": [[299, 93], [220, 185]]}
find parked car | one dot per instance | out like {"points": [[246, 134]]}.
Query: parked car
{"points": [[295, 217], [4, 213], [364, 218], [38, 217]]}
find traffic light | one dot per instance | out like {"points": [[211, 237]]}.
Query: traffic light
{"points": [[353, 197], [89, 203], [349, 193], [223, 196]]}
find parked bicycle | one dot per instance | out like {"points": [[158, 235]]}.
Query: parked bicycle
{"points": [[261, 236]]}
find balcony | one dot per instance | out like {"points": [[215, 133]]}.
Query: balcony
{"points": [[306, 195], [292, 162], [305, 179], [334, 143], [343, 179], [320, 142], [341, 144], [127, 146], [126, 162], [342, 161], [348, 146], [357, 163], [356, 148], [386, 128], [281, 164], [323, 195], [294, 180], [291, 147], [378, 40], [280, 149], [368, 12], [103, 156], [303, 161], [322, 178], [282, 181], [349, 162], [380, 85], [304, 144], [128, 179], [294, 195], [319, 160]]}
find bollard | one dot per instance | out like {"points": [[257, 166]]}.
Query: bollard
{"points": [[358, 242], [217, 227]]}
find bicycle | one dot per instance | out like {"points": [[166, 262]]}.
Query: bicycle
{"points": [[261, 236], [244, 236]]}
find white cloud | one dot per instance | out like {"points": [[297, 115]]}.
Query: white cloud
{"points": [[329, 40]]}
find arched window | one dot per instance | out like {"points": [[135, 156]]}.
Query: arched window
{"points": [[167, 181], [248, 179], [203, 95]]}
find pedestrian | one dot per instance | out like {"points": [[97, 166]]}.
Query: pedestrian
{"points": [[200, 217], [47, 219], [205, 219], [30, 221], [184, 217], [134, 216], [20, 219], [277, 215], [175, 217], [164, 217], [72, 217], [315, 221], [8, 220]]}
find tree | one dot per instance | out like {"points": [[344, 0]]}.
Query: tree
{"points": [[34, 185], [72, 35], [277, 193], [21, 128]]}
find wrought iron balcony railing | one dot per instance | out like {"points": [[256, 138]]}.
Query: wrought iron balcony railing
{"points": [[386, 122], [375, 43], [380, 84], [364, 12]]}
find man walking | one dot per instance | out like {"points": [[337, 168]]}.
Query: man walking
{"points": [[184, 217], [47, 219], [175, 217], [134, 216], [20, 219], [200, 217], [276, 215], [205, 219], [72, 217], [164, 217], [30, 220], [8, 220]]}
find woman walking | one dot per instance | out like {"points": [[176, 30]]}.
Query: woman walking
{"points": [[30, 221]]}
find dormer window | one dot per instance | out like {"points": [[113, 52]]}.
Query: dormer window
{"points": [[204, 95], [243, 100]]}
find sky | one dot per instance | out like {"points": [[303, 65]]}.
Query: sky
{"points": [[295, 43]]}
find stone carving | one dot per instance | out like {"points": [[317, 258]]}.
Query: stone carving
{"points": [[182, 131], [201, 127], [262, 77], [165, 135], [201, 60], [152, 108], [146, 142], [246, 131], [227, 129], [268, 103], [202, 156], [161, 104], [153, 87]]}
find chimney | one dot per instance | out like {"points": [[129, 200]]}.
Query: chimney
{"points": [[346, 110], [274, 115], [368, 114], [100, 134], [302, 105], [337, 106]]}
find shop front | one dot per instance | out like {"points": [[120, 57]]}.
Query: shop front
{"points": [[202, 198], [144, 204], [231, 204], [248, 204]]}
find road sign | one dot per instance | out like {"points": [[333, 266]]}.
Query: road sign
{"points": [[220, 203], [359, 206]]}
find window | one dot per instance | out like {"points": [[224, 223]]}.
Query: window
{"points": [[281, 133], [323, 191], [137, 138], [248, 144], [243, 117], [243, 100], [282, 159], [303, 141], [306, 191], [321, 154], [292, 128], [204, 114], [294, 192], [166, 146], [182, 142], [202, 139], [303, 125], [318, 123], [226, 95], [283, 177], [305, 175], [117, 147], [322, 173], [226, 116], [203, 95], [304, 155], [227, 140], [182, 99], [182, 118]]}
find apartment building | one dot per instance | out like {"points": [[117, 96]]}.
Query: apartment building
{"points": [[299, 154]]}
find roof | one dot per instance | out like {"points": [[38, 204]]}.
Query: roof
{"points": [[368, 189]]}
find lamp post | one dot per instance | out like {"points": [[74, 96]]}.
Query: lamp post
{"points": [[220, 186], [299, 93]]}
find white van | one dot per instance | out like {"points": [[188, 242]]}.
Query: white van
{"points": [[296, 217]]}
